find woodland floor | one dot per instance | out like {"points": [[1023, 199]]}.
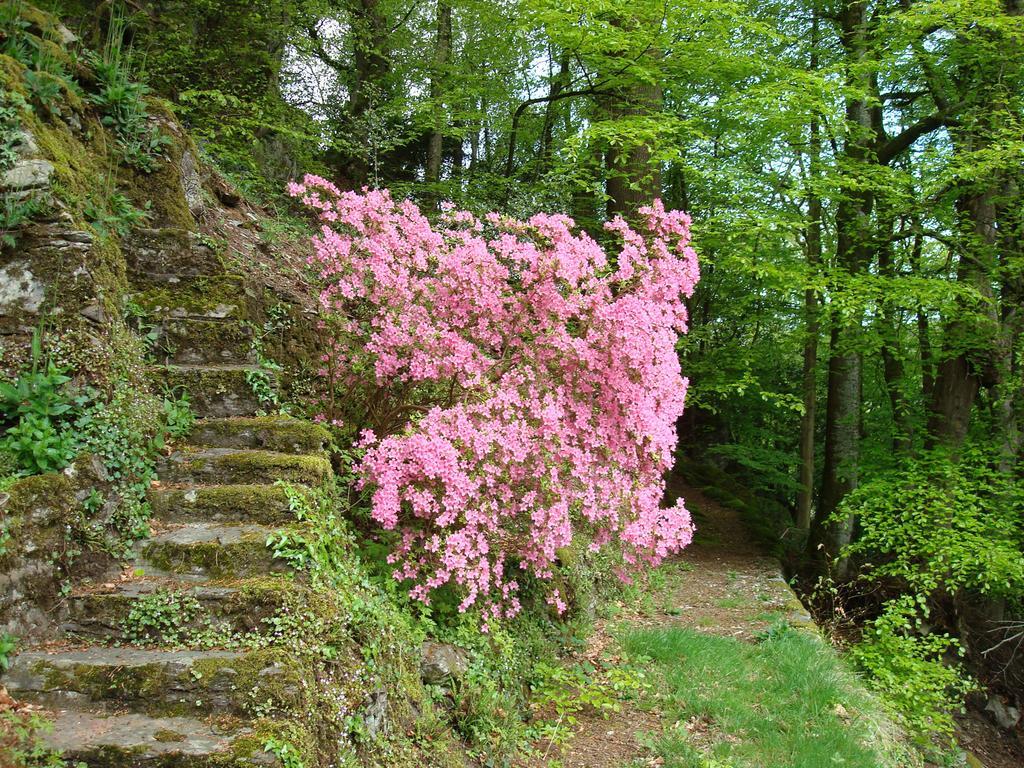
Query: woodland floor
{"points": [[739, 594]]}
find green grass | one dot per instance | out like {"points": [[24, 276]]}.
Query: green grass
{"points": [[786, 702]]}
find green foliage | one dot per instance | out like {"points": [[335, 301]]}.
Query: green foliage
{"points": [[10, 128], [569, 689], [935, 527], [121, 98], [38, 445], [178, 414], [285, 752], [22, 744], [116, 216], [260, 380], [14, 212], [907, 665], [51, 422], [126, 432], [936, 523], [163, 615], [8, 644], [37, 407]]}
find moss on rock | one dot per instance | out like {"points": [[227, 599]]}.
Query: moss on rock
{"points": [[272, 433], [253, 503]]}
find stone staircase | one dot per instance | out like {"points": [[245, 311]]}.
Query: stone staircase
{"points": [[124, 687]]}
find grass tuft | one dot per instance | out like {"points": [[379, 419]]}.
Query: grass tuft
{"points": [[786, 702]]}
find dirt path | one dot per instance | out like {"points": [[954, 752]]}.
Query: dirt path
{"points": [[722, 584]]}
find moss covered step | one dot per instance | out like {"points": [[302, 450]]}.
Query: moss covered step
{"points": [[250, 503], [272, 433], [197, 342], [168, 252], [236, 466], [102, 740], [210, 550], [117, 612], [212, 297], [216, 391], [161, 681]]}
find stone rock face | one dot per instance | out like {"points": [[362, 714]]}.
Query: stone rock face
{"points": [[35, 515], [20, 290], [28, 175], [191, 183], [375, 714], [1005, 715], [441, 662]]}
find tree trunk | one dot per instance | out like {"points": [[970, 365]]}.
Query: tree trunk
{"points": [[371, 67], [805, 496], [633, 179], [969, 337], [558, 84], [442, 54], [924, 341], [892, 356], [853, 237]]}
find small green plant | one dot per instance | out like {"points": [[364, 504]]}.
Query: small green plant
{"points": [[22, 741], [116, 216], [122, 101], [126, 432], [14, 212], [178, 414], [161, 617], [11, 105], [285, 752], [14, 29], [46, 91], [37, 405], [94, 502], [260, 381], [568, 690], [8, 643], [38, 445], [5, 539]]}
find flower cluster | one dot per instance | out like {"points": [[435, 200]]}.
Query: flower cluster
{"points": [[542, 382]]}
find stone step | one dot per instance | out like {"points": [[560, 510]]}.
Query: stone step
{"points": [[233, 466], [209, 550], [159, 681], [214, 297], [133, 740], [197, 342], [251, 503], [168, 251], [227, 607], [271, 433], [216, 391]]}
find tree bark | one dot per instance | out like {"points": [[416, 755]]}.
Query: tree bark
{"points": [[442, 54], [371, 66], [633, 179], [805, 496], [853, 234], [892, 357], [559, 83]]}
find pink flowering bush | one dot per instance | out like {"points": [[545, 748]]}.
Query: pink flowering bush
{"points": [[520, 386]]}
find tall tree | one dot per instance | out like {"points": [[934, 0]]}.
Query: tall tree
{"points": [[438, 75]]}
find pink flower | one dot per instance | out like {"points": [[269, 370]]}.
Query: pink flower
{"points": [[546, 386]]}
